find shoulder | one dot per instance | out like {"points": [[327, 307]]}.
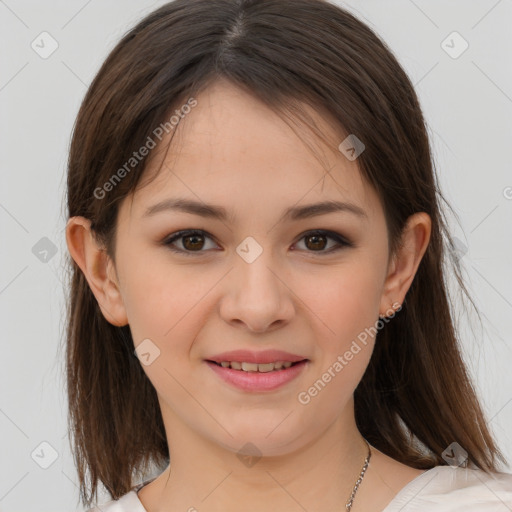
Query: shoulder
{"points": [[126, 503], [451, 489]]}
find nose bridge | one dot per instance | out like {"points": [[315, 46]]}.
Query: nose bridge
{"points": [[256, 295], [256, 270]]}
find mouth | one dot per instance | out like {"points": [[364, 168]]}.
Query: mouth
{"points": [[258, 377], [257, 367]]}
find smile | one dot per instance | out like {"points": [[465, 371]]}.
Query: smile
{"points": [[258, 377], [255, 367]]}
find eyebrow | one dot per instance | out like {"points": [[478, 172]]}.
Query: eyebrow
{"points": [[220, 213]]}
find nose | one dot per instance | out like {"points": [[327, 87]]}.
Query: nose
{"points": [[257, 295]]}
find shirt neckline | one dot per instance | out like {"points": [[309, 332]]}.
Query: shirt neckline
{"points": [[410, 488], [404, 493]]}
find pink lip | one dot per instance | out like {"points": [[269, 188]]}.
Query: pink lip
{"points": [[256, 381], [247, 356]]}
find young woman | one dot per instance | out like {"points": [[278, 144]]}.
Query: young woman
{"points": [[258, 306]]}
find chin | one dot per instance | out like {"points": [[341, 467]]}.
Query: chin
{"points": [[254, 440]]}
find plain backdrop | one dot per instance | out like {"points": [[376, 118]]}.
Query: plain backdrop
{"points": [[464, 81]]}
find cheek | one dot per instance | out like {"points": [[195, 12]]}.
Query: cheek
{"points": [[346, 312], [165, 305], [344, 303], [160, 300]]}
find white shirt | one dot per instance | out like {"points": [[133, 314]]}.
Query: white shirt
{"points": [[440, 489]]}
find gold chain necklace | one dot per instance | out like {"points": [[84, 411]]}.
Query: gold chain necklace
{"points": [[348, 506]]}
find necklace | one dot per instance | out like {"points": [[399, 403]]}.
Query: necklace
{"points": [[348, 506]]}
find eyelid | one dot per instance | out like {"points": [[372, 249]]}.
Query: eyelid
{"points": [[341, 240], [327, 233], [177, 235]]}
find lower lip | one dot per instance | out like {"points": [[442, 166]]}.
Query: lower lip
{"points": [[258, 381]]}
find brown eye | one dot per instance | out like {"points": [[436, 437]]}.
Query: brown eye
{"points": [[316, 242], [192, 241]]}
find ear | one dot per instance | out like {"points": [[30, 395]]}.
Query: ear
{"points": [[403, 266], [98, 269]]}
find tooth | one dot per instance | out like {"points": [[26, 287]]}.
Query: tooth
{"points": [[256, 367], [249, 367]]}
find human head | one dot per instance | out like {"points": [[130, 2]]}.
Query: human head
{"points": [[266, 49]]}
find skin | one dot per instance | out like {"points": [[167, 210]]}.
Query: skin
{"points": [[233, 151]]}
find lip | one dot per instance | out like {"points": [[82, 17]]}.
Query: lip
{"points": [[249, 356], [256, 381]]}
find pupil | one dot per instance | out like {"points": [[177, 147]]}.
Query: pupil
{"points": [[191, 237], [316, 237]]}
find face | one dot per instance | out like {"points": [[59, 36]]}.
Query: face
{"points": [[257, 279]]}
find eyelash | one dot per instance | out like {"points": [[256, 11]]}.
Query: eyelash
{"points": [[342, 242]]}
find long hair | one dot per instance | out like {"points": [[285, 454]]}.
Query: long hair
{"points": [[415, 397]]}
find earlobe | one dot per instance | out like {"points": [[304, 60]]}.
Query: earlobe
{"points": [[403, 266], [97, 268]]}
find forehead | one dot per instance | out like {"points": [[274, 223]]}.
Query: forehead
{"points": [[231, 149]]}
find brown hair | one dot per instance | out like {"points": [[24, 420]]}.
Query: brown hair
{"points": [[415, 398]]}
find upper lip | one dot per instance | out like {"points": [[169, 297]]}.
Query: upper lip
{"points": [[248, 356]]}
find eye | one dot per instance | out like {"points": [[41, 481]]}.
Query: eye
{"points": [[316, 241], [191, 239]]}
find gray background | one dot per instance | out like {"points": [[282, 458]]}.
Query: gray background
{"points": [[467, 102]]}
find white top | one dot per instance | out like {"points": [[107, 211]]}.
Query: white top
{"points": [[440, 489]]}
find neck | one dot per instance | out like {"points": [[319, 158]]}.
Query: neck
{"points": [[207, 477]]}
